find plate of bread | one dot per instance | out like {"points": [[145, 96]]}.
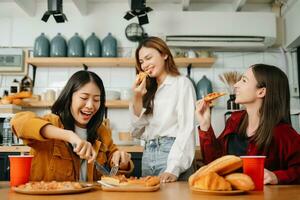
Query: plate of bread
{"points": [[219, 178], [53, 187], [132, 184]]}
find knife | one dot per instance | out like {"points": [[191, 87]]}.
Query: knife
{"points": [[99, 167]]}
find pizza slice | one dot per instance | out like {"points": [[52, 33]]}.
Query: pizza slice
{"points": [[212, 96], [142, 76]]}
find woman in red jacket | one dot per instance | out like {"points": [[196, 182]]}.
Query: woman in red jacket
{"points": [[263, 128]]}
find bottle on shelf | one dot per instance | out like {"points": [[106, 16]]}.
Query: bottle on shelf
{"points": [[7, 133], [231, 105]]}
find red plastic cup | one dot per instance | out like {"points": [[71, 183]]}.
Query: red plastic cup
{"points": [[254, 167], [19, 169]]}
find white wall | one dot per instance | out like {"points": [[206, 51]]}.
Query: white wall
{"points": [[291, 22], [17, 29]]}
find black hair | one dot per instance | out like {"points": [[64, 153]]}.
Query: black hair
{"points": [[62, 106]]}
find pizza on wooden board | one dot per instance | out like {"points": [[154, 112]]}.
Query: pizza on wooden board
{"points": [[212, 96]]}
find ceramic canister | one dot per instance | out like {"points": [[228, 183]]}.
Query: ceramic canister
{"points": [[41, 46], [92, 46], [109, 46], [204, 87], [75, 46], [58, 46]]}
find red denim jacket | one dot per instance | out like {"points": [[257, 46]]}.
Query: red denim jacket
{"points": [[283, 157]]}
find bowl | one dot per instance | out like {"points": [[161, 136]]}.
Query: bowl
{"points": [[112, 95]]}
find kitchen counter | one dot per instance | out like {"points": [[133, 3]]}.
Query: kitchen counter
{"points": [[172, 191], [127, 148]]}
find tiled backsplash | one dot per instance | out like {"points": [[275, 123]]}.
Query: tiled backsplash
{"points": [[123, 78]]}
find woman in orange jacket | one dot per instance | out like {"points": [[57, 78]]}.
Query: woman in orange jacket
{"points": [[66, 142]]}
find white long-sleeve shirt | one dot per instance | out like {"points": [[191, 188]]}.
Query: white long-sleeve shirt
{"points": [[173, 116]]}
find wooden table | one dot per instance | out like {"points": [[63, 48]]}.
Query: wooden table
{"points": [[169, 191]]}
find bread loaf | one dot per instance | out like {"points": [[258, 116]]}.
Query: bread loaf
{"points": [[221, 166], [212, 181], [240, 181], [224, 165]]}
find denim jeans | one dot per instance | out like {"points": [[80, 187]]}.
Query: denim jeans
{"points": [[155, 156]]}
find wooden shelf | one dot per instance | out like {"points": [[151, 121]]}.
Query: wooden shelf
{"points": [[47, 104], [109, 62]]}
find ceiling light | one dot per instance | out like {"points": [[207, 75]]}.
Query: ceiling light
{"points": [[139, 10], [55, 8]]}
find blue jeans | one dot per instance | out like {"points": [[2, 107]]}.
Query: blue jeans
{"points": [[155, 156]]}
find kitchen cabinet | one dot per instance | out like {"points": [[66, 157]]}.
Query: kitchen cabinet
{"points": [[136, 156], [4, 165]]}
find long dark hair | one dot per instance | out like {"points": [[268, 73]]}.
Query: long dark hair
{"points": [[170, 68], [62, 105], [275, 106]]}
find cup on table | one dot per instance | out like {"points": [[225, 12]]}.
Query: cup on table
{"points": [[253, 166], [19, 169]]}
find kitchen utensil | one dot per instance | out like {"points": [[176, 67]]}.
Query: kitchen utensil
{"points": [[106, 184], [101, 168], [98, 166], [114, 170], [189, 76]]}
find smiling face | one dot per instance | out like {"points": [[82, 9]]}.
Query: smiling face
{"points": [[246, 89], [152, 62], [85, 103]]}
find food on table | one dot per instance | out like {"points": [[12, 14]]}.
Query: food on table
{"points": [[121, 180], [50, 186], [209, 177], [212, 181], [240, 181]]}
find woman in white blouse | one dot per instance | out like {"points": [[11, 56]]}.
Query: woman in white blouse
{"points": [[163, 112]]}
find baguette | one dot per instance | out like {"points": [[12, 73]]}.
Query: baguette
{"points": [[224, 165], [240, 181]]}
